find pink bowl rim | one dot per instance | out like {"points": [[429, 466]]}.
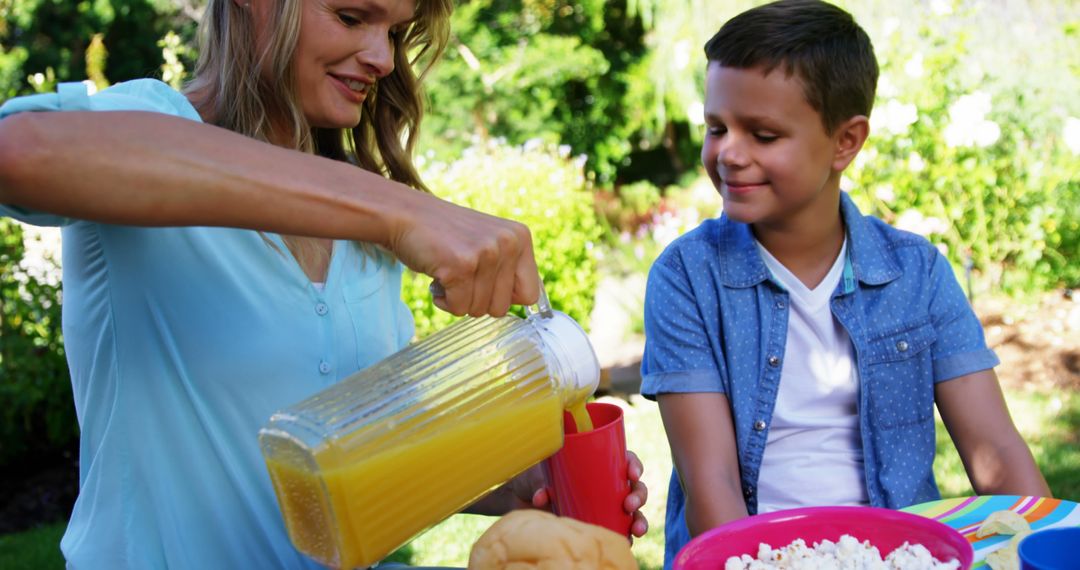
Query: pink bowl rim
{"points": [[966, 559]]}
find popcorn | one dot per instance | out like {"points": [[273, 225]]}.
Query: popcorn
{"points": [[845, 554]]}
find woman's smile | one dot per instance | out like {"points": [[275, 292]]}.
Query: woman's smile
{"points": [[354, 90]]}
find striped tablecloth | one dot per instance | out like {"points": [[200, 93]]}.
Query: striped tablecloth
{"points": [[966, 515]]}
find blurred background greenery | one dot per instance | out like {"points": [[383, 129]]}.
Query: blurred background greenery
{"points": [[583, 119]]}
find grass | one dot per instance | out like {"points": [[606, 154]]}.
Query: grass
{"points": [[35, 549], [1049, 421]]}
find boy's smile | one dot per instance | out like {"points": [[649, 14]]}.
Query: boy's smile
{"points": [[766, 149]]}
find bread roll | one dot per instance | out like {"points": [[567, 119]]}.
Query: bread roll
{"points": [[536, 540]]}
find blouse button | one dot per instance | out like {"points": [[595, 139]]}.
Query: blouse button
{"points": [[774, 361], [759, 425], [321, 309], [902, 346], [324, 367]]}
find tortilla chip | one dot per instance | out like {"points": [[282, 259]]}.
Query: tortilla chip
{"points": [[1003, 522], [1004, 558]]}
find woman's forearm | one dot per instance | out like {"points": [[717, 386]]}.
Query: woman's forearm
{"points": [[148, 169]]}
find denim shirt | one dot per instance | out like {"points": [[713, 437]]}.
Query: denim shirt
{"points": [[716, 321]]}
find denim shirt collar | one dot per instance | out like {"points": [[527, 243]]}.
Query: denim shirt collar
{"points": [[872, 261]]}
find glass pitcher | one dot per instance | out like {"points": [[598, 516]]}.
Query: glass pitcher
{"points": [[364, 466]]}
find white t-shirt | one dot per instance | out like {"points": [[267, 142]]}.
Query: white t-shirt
{"points": [[813, 455]]}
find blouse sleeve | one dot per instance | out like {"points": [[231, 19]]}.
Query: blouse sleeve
{"points": [[140, 95]]}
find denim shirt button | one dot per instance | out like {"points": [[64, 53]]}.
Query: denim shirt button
{"points": [[774, 361], [759, 425], [780, 305], [902, 346], [748, 491]]}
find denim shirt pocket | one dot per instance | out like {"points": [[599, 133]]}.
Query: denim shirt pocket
{"points": [[372, 317], [899, 373]]}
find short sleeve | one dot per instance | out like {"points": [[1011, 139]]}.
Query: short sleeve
{"points": [[678, 355], [960, 348], [141, 95]]}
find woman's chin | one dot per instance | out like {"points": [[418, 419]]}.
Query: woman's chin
{"points": [[341, 120]]}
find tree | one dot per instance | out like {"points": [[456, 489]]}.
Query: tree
{"points": [[43, 42], [548, 69]]}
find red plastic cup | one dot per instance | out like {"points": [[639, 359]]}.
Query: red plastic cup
{"points": [[587, 478]]}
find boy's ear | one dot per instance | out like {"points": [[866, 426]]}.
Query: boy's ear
{"points": [[849, 138]]}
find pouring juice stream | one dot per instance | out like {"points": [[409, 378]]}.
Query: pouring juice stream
{"points": [[581, 417]]}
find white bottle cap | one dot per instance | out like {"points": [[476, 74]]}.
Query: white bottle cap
{"points": [[570, 345]]}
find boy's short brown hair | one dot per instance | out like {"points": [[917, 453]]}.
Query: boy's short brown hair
{"points": [[819, 43]]}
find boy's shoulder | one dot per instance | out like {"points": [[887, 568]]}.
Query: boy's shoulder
{"points": [[882, 252]]}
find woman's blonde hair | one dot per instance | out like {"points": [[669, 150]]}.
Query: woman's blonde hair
{"points": [[244, 89]]}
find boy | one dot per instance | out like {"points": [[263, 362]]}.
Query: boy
{"points": [[795, 347]]}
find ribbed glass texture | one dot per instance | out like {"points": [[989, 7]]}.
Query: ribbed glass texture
{"points": [[364, 466]]}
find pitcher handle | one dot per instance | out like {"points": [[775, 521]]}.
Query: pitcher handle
{"points": [[543, 305]]}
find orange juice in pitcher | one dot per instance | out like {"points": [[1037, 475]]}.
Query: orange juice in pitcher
{"points": [[364, 466]]}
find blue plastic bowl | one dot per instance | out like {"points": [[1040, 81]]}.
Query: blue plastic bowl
{"points": [[1051, 549]]}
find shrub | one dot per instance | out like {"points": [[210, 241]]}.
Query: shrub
{"points": [[535, 185], [976, 165], [34, 382]]}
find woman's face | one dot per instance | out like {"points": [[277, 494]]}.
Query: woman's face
{"points": [[344, 47]]}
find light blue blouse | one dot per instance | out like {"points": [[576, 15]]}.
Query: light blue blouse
{"points": [[181, 343]]}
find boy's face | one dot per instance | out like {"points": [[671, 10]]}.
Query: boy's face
{"points": [[766, 149]]}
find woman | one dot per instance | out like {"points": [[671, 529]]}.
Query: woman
{"points": [[184, 328]]}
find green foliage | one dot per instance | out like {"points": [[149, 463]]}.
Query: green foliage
{"points": [[175, 53], [37, 549], [43, 42], [34, 384], [525, 69], [11, 65], [973, 163], [629, 207], [539, 187]]}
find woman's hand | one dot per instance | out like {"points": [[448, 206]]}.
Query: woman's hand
{"points": [[483, 263]]}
